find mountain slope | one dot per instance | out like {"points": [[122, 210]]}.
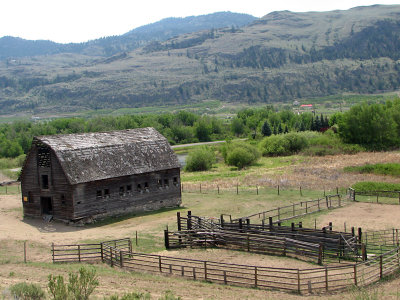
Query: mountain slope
{"points": [[158, 31], [279, 57]]}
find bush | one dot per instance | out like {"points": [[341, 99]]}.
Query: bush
{"points": [[240, 154], [392, 169], [274, 145], [200, 159], [27, 291], [80, 286], [296, 142], [131, 296]]}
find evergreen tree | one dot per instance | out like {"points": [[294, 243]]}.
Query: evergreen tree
{"points": [[266, 129], [280, 130], [286, 129]]}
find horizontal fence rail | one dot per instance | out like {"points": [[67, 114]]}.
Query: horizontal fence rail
{"points": [[302, 281], [376, 194]]}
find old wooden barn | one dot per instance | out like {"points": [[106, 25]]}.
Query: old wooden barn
{"points": [[92, 175]]}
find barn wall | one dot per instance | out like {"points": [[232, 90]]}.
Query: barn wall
{"points": [[58, 189], [113, 197]]}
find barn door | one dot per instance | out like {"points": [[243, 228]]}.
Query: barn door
{"points": [[47, 205]]}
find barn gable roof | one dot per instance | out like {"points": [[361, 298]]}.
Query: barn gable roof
{"points": [[89, 157]]}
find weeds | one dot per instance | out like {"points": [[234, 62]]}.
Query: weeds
{"points": [[27, 291]]}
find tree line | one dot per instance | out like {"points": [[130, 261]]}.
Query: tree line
{"points": [[373, 126]]}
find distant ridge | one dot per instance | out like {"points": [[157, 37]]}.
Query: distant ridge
{"points": [[159, 31]]}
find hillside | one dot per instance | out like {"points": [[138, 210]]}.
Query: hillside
{"points": [[280, 57], [12, 47]]}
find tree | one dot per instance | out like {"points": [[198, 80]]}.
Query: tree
{"points": [[237, 126], [266, 129], [203, 129], [372, 126], [201, 159]]}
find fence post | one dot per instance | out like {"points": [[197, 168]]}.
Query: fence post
{"points": [[327, 202], [326, 278], [166, 239], [130, 246], [101, 252], [270, 222], [200, 188], [222, 220], [205, 270], [237, 189], [255, 277], [218, 189], [160, 263], [248, 242], [380, 267], [397, 237], [359, 234], [52, 251], [79, 253], [189, 220], [306, 207], [225, 280], [178, 220], [320, 253], [330, 226], [194, 273], [363, 252], [278, 189], [340, 200], [121, 259], [319, 208], [111, 257], [298, 281], [257, 189], [240, 223], [25, 252], [355, 274]]}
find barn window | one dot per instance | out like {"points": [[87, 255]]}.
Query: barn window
{"points": [[139, 187], [106, 193], [121, 190], [166, 182], [62, 199], [175, 180], [146, 186], [129, 188], [99, 194], [45, 182], [159, 183]]}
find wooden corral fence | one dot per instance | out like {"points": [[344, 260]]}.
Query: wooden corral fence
{"points": [[376, 194], [317, 244], [75, 252], [303, 281], [298, 209]]}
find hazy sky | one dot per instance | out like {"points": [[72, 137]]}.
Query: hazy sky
{"points": [[81, 20]]}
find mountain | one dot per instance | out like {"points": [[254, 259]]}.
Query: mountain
{"points": [[13, 47], [280, 57]]}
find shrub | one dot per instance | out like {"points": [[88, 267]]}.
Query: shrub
{"points": [[27, 291], [392, 169], [80, 286], [296, 142], [274, 145], [57, 288], [240, 154], [200, 159], [131, 296]]}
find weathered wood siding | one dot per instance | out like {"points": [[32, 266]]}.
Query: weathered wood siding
{"points": [[157, 190], [58, 189]]}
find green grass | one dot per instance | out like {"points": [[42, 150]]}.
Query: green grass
{"points": [[392, 169], [367, 186], [10, 189], [221, 170]]}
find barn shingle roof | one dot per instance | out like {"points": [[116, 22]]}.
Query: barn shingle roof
{"points": [[89, 157]]}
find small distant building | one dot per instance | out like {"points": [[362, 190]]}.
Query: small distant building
{"points": [[93, 175]]}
